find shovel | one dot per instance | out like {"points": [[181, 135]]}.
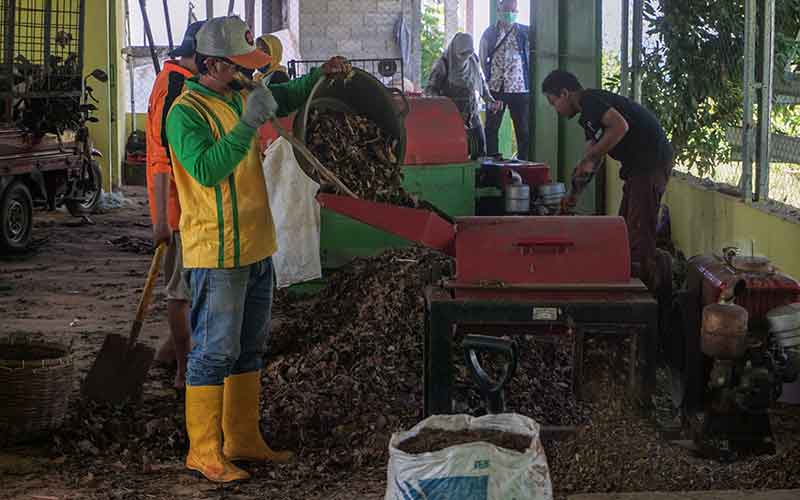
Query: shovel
{"points": [[122, 364]]}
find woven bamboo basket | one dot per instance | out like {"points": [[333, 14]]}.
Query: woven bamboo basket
{"points": [[36, 379]]}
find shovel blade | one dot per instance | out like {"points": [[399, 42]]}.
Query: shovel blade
{"points": [[118, 373]]}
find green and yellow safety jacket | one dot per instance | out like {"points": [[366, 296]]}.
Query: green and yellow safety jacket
{"points": [[226, 220]]}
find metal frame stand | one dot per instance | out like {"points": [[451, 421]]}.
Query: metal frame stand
{"points": [[631, 311]]}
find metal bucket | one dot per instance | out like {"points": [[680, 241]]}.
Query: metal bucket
{"points": [[550, 195], [362, 94], [552, 190], [518, 199]]}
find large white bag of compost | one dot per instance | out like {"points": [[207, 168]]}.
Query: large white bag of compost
{"points": [[477, 470]]}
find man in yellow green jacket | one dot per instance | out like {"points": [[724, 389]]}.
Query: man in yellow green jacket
{"points": [[228, 240]]}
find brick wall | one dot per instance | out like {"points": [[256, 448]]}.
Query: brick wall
{"points": [[352, 28]]}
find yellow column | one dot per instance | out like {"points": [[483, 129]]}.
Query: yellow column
{"points": [[101, 50]]}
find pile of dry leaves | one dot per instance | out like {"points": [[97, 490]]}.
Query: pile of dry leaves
{"points": [[345, 372], [345, 369], [137, 436], [429, 440], [622, 452], [359, 153]]}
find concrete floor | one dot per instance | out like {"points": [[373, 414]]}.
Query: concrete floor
{"points": [[695, 495]]}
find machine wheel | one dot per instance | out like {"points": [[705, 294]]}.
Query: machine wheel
{"points": [[16, 217], [90, 186]]}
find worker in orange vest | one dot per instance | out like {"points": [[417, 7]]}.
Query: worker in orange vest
{"points": [[165, 208]]}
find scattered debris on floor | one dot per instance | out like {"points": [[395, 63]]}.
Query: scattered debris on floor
{"points": [[132, 244], [343, 374], [113, 200]]}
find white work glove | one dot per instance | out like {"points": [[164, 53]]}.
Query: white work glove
{"points": [[260, 107]]}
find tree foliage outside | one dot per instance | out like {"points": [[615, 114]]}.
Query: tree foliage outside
{"points": [[693, 71], [432, 36], [612, 71]]}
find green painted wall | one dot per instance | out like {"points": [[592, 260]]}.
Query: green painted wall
{"points": [[141, 118], [104, 28], [566, 34]]}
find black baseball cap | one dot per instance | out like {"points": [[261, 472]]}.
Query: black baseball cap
{"points": [[187, 47]]}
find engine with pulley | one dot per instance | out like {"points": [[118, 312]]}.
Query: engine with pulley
{"points": [[733, 341]]}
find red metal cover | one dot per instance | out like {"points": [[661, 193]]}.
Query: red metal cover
{"points": [[421, 226], [511, 250], [764, 291], [435, 133], [533, 175], [517, 250]]}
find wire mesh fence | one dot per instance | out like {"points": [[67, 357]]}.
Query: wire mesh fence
{"points": [[705, 73], [784, 180], [42, 41]]}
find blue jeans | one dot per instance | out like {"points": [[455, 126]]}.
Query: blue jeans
{"points": [[231, 310]]}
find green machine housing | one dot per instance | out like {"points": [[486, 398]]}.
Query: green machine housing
{"points": [[436, 168]]}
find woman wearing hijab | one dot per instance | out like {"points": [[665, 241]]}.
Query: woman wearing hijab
{"points": [[457, 75], [272, 46]]}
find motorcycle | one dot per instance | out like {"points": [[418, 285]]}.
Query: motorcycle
{"points": [[84, 185]]}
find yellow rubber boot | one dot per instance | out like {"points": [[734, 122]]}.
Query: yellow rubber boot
{"points": [[204, 426], [243, 440]]}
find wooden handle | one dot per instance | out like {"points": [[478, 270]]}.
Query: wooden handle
{"points": [[144, 301], [324, 173]]}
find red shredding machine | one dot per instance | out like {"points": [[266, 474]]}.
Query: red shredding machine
{"points": [[566, 276]]}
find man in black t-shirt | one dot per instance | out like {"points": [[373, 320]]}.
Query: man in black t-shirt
{"points": [[626, 131]]}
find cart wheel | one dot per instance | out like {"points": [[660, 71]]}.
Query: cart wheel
{"points": [[16, 218], [91, 186]]}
